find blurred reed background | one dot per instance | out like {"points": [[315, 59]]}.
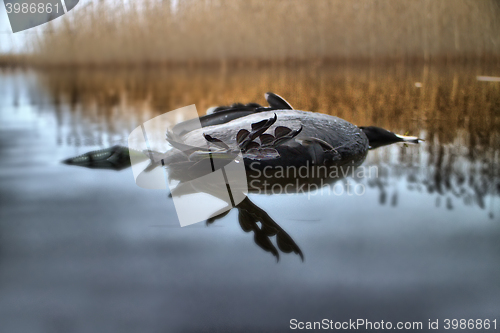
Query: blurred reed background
{"points": [[276, 31], [440, 99]]}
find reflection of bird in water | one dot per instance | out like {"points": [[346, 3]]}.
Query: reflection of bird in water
{"points": [[114, 158], [267, 137], [252, 218]]}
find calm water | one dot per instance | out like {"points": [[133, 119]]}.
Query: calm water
{"points": [[85, 250]]}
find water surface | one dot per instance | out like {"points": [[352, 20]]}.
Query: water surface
{"points": [[87, 250]]}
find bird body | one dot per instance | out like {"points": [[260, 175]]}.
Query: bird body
{"points": [[273, 136], [322, 138]]}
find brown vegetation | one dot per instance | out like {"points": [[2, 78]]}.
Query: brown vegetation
{"points": [[233, 31], [8, 60], [447, 99]]}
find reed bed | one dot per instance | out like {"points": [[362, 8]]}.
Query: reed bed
{"points": [[439, 100], [13, 60], [275, 31]]}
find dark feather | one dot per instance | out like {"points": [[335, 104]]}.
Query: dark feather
{"points": [[277, 102], [285, 138], [265, 243], [281, 131], [266, 139], [246, 221], [211, 220], [262, 126], [215, 141], [287, 245], [252, 145], [242, 135]]}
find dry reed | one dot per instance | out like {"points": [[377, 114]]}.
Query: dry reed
{"points": [[449, 100], [223, 31]]}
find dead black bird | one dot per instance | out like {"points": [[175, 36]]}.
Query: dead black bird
{"points": [[276, 135], [273, 136]]}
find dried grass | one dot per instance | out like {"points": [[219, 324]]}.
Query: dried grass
{"points": [[234, 31]]}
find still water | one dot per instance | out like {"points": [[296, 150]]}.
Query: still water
{"points": [[84, 250]]}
